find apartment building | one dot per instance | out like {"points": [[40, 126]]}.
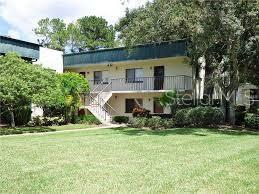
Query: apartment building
{"points": [[122, 79]]}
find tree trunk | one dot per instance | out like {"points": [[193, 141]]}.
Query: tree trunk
{"points": [[74, 114], [12, 119], [224, 108], [68, 115]]}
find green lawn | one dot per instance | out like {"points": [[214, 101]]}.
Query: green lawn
{"points": [[20, 130], [130, 160], [71, 126]]}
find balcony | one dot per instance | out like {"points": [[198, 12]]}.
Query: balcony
{"points": [[166, 83]]}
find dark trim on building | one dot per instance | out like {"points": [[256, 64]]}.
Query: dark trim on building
{"points": [[140, 52]]}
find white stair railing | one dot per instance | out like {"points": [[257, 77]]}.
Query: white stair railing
{"points": [[98, 105]]}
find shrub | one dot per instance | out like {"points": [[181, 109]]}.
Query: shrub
{"points": [[138, 122], [182, 117], [253, 109], [121, 119], [154, 123], [168, 123], [9, 131], [140, 112], [163, 116], [252, 121], [21, 116], [46, 121], [88, 119], [36, 121], [199, 116], [240, 114]]}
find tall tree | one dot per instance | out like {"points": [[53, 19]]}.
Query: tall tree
{"points": [[52, 33], [87, 33], [160, 20], [221, 32], [23, 83], [74, 37], [73, 85], [95, 33]]}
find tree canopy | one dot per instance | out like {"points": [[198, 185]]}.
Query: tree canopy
{"points": [[223, 32], [52, 33], [73, 86], [87, 33], [22, 83]]}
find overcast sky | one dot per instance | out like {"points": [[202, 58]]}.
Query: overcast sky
{"points": [[19, 17]]}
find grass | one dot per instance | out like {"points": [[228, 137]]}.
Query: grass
{"points": [[21, 130], [71, 126], [131, 160]]}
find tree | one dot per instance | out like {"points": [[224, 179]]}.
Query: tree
{"points": [[22, 83], [170, 99], [52, 33], [73, 86], [74, 37], [220, 32], [87, 33], [161, 20], [95, 33]]}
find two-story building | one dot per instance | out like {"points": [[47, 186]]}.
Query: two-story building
{"points": [[122, 79]]}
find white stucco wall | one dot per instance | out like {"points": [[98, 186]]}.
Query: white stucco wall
{"points": [[52, 59], [173, 66], [243, 94], [117, 101]]}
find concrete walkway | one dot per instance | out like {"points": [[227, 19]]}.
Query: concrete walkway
{"points": [[67, 131]]}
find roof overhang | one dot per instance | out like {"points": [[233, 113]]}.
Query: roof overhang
{"points": [[25, 49], [140, 52]]}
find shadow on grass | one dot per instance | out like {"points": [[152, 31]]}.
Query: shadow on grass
{"points": [[184, 131]]}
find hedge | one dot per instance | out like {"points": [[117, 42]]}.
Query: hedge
{"points": [[121, 119], [252, 121], [199, 116], [153, 123]]}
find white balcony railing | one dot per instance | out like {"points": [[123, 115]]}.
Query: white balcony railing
{"points": [[180, 82]]}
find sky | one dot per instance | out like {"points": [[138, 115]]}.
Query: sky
{"points": [[19, 17]]}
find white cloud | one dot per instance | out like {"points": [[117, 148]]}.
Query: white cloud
{"points": [[14, 34], [22, 15]]}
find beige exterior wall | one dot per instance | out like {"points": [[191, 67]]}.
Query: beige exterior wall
{"points": [[117, 101], [173, 66], [243, 95]]}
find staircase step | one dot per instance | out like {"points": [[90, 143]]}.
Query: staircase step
{"points": [[97, 100]]}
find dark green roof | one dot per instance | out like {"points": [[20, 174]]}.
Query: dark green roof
{"points": [[24, 49], [140, 52]]}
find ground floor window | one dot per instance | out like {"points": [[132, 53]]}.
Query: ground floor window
{"points": [[157, 106], [254, 98], [133, 103]]}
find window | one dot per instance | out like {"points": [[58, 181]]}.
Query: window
{"points": [[97, 77], [254, 94], [133, 103], [134, 75], [82, 73], [157, 106], [254, 99]]}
